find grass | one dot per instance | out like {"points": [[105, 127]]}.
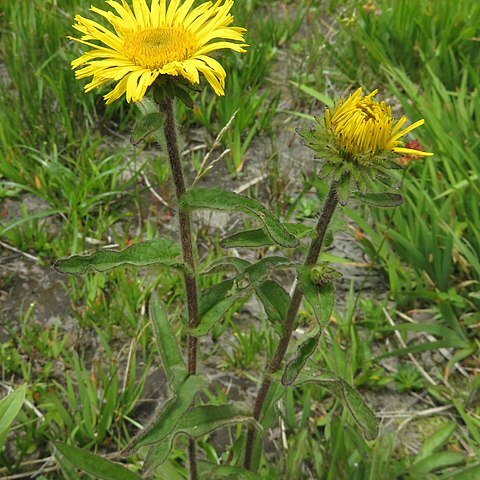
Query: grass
{"points": [[68, 155]]}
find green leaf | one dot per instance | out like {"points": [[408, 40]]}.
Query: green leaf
{"points": [[320, 297], [269, 410], [216, 301], [259, 238], [343, 188], [275, 301], [9, 408], [225, 264], [157, 454], [469, 473], [264, 267], [248, 239], [220, 298], [155, 252], [94, 465], [214, 295], [437, 461], [173, 362], [361, 413], [196, 423], [218, 199], [315, 94], [184, 95], [172, 412], [436, 441], [305, 350], [146, 126], [380, 199], [204, 419]]}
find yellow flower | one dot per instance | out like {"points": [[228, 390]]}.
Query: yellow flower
{"points": [[148, 42], [362, 126]]}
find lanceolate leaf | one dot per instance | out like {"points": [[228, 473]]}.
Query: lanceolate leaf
{"points": [[173, 362], [275, 300], [208, 318], [264, 267], [203, 419], [260, 238], [220, 298], [218, 199], [380, 199], [171, 414], [320, 297], [95, 465], [227, 264], [155, 252], [295, 365], [248, 239], [9, 408], [196, 423], [269, 409], [214, 295], [362, 414], [146, 126]]}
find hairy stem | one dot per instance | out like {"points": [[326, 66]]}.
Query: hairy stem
{"points": [[329, 207], [185, 224]]}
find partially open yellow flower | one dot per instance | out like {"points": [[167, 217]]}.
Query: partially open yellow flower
{"points": [[358, 141], [362, 126], [161, 40]]}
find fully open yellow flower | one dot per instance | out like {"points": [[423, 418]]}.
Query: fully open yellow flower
{"points": [[147, 42], [362, 126]]}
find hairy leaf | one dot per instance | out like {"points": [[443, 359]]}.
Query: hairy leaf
{"points": [[320, 297], [385, 199], [361, 413], [227, 264], [196, 423], [260, 238], [155, 252], [173, 362], [172, 412], [218, 199], [275, 300], [295, 365], [214, 305], [146, 126], [220, 298]]}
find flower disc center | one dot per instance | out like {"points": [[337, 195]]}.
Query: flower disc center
{"points": [[155, 47]]}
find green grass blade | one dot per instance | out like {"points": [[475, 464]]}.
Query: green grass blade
{"points": [[94, 465], [9, 408]]}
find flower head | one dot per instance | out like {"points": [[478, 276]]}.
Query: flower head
{"points": [[360, 139], [147, 42], [363, 126]]}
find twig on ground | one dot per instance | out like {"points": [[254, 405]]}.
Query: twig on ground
{"points": [[16, 250], [204, 168], [443, 351], [251, 183], [404, 345], [153, 192]]}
